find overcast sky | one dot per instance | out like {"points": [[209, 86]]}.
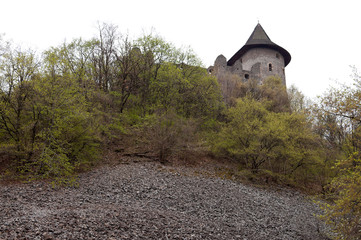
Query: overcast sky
{"points": [[323, 37]]}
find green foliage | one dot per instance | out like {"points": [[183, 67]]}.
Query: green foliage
{"points": [[56, 111], [344, 215], [171, 78], [17, 69], [298, 101], [45, 117], [274, 91], [53, 162], [67, 128], [257, 137], [191, 95], [338, 123]]}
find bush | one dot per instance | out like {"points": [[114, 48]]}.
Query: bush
{"points": [[168, 134], [344, 215], [258, 138]]}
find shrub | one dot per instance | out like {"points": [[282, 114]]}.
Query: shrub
{"points": [[168, 134], [258, 138], [344, 215]]}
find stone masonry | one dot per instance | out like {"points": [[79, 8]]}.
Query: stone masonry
{"points": [[258, 59]]}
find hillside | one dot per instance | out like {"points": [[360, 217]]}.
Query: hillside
{"points": [[143, 200], [63, 112]]}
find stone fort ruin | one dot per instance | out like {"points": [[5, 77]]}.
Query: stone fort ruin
{"points": [[258, 59]]}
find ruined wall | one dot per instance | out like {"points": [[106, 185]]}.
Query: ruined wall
{"points": [[256, 63], [271, 62]]}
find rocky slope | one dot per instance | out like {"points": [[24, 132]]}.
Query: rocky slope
{"points": [[149, 201]]}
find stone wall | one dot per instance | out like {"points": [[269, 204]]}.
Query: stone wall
{"points": [[256, 63], [271, 62]]}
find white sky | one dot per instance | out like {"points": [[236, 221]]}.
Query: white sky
{"points": [[323, 37]]}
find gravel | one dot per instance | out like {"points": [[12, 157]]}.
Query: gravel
{"points": [[149, 201]]}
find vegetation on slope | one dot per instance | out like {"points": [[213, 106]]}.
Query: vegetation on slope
{"points": [[61, 111]]}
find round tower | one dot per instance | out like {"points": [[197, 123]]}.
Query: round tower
{"points": [[260, 57]]}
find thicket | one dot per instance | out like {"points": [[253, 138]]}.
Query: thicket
{"points": [[269, 136], [287, 137], [339, 122], [61, 110]]}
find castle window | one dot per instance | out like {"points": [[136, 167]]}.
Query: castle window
{"points": [[270, 67], [246, 76], [277, 55]]}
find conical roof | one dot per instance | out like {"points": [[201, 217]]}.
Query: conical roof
{"points": [[259, 36], [259, 39]]}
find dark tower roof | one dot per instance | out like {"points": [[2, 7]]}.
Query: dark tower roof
{"points": [[259, 39]]}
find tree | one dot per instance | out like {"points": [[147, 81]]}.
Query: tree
{"points": [[17, 69], [344, 215], [274, 91], [76, 58], [255, 137], [298, 101], [46, 124], [343, 110], [155, 52], [128, 79], [51, 108], [103, 57], [191, 95]]}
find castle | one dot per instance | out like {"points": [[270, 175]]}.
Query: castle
{"points": [[258, 59]]}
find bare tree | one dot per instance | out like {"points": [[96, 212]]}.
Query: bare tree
{"points": [[103, 56]]}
